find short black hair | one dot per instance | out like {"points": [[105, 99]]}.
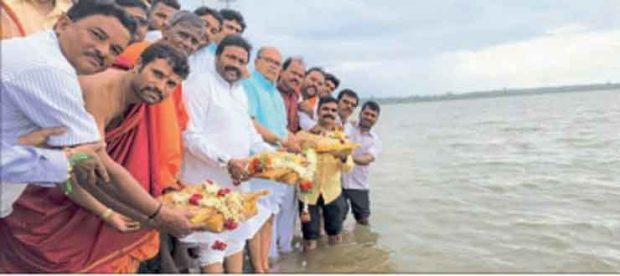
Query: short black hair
{"points": [[228, 14], [176, 59], [290, 60], [332, 78], [372, 105], [326, 100], [233, 40], [170, 3], [350, 93], [133, 4], [318, 69], [204, 10], [86, 8]]}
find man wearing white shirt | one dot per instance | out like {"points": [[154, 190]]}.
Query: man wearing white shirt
{"points": [[203, 58], [217, 142], [39, 79], [40, 89], [355, 183], [312, 84], [347, 102]]}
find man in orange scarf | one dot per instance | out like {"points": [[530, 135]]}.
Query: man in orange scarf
{"points": [[184, 32], [170, 118], [40, 234]]}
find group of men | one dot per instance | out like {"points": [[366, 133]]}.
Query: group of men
{"points": [[107, 104]]}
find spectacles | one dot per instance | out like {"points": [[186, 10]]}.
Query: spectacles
{"points": [[272, 61]]}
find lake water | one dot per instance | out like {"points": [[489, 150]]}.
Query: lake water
{"points": [[516, 184]]}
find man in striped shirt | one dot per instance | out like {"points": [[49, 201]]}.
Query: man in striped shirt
{"points": [[40, 90]]}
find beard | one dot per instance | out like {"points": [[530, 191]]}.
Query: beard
{"points": [[231, 74]]}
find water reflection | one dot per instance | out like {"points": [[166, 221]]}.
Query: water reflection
{"points": [[358, 252]]}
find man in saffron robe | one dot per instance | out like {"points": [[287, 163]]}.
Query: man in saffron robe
{"points": [[184, 32], [41, 235], [169, 120]]}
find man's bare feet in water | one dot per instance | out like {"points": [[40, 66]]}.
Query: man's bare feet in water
{"points": [[335, 239], [309, 245]]}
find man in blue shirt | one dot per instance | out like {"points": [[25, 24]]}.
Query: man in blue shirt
{"points": [[266, 107]]}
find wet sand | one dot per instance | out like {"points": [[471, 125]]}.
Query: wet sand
{"points": [[359, 251]]}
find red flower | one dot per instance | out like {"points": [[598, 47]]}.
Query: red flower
{"points": [[305, 186], [230, 224], [223, 192], [219, 245], [193, 200], [255, 165]]}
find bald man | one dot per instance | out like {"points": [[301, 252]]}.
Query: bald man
{"points": [[268, 113]]}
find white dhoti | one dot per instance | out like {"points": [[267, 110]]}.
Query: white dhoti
{"points": [[284, 224], [234, 240]]}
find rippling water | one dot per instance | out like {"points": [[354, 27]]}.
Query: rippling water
{"points": [[517, 184]]}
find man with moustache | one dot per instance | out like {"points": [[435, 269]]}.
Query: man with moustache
{"points": [[219, 139], [347, 102], [355, 183], [326, 192], [331, 83], [117, 99], [266, 108], [183, 32], [203, 59], [232, 24], [159, 15], [41, 90], [40, 87], [289, 85], [312, 85]]}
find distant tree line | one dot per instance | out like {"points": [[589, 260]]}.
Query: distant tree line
{"points": [[499, 93]]}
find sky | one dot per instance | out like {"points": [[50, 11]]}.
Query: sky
{"points": [[385, 48]]}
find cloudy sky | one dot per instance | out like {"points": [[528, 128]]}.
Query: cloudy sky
{"points": [[418, 47]]}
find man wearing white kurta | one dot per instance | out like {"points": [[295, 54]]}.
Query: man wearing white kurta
{"points": [[217, 142]]}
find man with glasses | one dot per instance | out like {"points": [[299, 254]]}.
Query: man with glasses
{"points": [[268, 113]]}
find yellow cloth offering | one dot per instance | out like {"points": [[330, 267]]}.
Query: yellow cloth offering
{"points": [[217, 208]]}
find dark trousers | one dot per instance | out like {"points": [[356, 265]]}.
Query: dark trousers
{"points": [[332, 217], [173, 257], [360, 203]]}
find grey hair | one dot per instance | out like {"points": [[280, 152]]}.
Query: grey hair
{"points": [[186, 17]]}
